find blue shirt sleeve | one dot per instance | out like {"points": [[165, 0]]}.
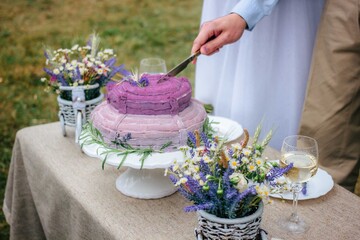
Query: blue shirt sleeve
{"points": [[254, 10]]}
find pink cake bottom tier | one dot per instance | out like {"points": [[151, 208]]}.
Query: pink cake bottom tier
{"points": [[148, 130]]}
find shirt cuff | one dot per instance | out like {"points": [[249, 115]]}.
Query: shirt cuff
{"points": [[254, 10]]}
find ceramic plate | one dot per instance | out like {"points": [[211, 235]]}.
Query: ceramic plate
{"points": [[226, 127], [316, 187]]}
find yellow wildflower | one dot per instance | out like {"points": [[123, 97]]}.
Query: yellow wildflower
{"points": [[251, 167]]}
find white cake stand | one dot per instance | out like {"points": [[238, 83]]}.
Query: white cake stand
{"points": [[149, 181]]}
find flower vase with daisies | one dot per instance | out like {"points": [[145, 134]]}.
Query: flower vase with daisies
{"points": [[226, 182], [80, 66]]}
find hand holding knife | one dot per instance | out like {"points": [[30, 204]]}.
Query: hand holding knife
{"points": [[173, 72]]}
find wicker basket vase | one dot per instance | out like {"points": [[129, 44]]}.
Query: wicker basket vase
{"points": [[90, 94], [83, 99], [66, 109], [215, 228]]}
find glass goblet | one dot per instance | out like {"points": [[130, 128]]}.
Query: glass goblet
{"points": [[152, 65], [302, 152]]}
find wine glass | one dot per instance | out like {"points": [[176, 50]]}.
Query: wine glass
{"points": [[302, 152], [152, 65]]}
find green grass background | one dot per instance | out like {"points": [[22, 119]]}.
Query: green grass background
{"points": [[134, 29]]}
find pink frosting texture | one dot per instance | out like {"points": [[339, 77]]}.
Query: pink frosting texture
{"points": [[153, 115], [168, 97], [149, 130]]}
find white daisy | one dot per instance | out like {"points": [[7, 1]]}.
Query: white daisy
{"points": [[75, 47], [56, 71]]}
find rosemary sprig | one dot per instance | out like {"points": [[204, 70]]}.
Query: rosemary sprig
{"points": [[90, 135], [208, 129]]}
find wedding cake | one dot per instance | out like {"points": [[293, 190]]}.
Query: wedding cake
{"points": [[148, 114]]}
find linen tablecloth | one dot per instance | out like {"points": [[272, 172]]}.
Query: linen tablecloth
{"points": [[55, 191]]}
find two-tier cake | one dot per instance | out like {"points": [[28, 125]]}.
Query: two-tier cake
{"points": [[149, 116]]}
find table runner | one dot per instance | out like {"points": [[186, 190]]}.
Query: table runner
{"points": [[55, 191]]}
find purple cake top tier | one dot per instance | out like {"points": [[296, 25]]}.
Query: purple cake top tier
{"points": [[168, 97]]}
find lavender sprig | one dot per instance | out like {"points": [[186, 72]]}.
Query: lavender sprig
{"points": [[277, 172], [192, 138], [205, 140], [195, 208], [237, 200], [304, 189]]}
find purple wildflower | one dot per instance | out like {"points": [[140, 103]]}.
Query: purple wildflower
{"points": [[304, 189], [192, 153], [110, 62], [127, 137], [89, 42], [240, 157], [277, 172], [61, 79], [204, 168], [119, 69], [46, 55], [249, 191], [173, 179], [205, 140], [133, 83], [202, 176], [77, 74], [195, 189], [198, 207], [239, 198], [49, 72], [193, 185], [192, 138], [144, 82], [226, 177], [231, 193]]}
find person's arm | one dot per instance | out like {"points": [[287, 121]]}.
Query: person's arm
{"points": [[229, 28], [252, 11]]}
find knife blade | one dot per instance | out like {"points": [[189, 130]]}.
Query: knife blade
{"points": [[177, 69]]}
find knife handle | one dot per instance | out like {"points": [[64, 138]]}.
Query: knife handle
{"points": [[195, 55]]}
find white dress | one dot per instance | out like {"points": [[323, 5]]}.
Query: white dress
{"points": [[262, 76]]}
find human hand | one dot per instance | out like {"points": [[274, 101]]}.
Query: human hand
{"points": [[223, 30]]}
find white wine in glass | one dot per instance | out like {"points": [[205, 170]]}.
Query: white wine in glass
{"points": [[304, 166], [302, 153]]}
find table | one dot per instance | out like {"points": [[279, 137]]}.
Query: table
{"points": [[55, 191]]}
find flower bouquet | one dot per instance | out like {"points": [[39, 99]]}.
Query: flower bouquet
{"points": [[77, 75], [227, 182], [80, 66]]}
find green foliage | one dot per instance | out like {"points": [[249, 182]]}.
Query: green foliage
{"points": [[134, 29], [90, 135]]}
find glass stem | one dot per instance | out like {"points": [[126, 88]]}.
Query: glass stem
{"points": [[296, 189]]}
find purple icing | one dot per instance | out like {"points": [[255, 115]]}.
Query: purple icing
{"points": [[169, 97]]}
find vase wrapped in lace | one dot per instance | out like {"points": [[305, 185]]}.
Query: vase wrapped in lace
{"points": [[76, 104]]}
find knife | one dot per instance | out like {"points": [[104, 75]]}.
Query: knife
{"points": [[173, 72]]}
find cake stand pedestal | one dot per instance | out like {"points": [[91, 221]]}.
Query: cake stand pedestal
{"points": [[148, 181], [145, 183]]}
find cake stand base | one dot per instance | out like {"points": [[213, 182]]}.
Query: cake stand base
{"points": [[145, 183]]}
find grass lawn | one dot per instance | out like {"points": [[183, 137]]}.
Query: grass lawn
{"points": [[134, 29]]}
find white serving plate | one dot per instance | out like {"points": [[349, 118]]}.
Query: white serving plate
{"points": [[317, 186]]}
